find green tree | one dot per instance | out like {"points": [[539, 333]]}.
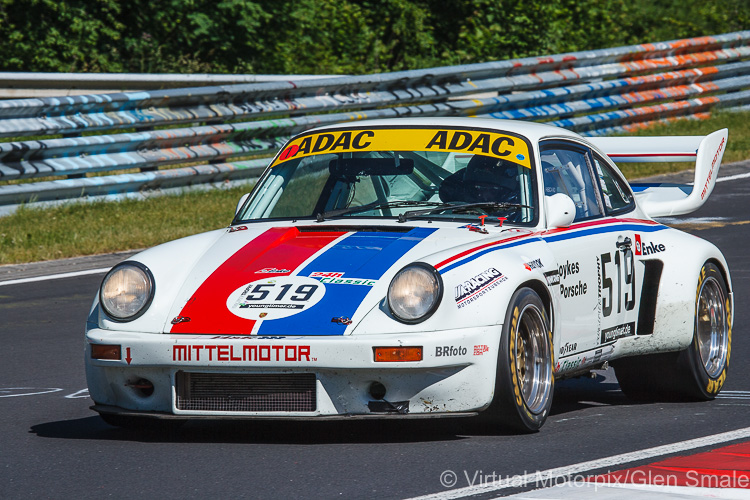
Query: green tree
{"points": [[49, 35], [333, 36]]}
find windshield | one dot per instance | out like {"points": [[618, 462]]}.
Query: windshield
{"points": [[449, 174]]}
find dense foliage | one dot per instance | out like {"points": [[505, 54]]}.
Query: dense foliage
{"points": [[333, 36]]}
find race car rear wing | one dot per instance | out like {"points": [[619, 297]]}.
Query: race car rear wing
{"points": [[659, 200]]}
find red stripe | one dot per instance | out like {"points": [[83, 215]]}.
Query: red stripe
{"points": [[727, 467], [486, 245], [539, 233], [599, 222], [283, 248]]}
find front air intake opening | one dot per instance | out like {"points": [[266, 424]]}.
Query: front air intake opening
{"points": [[228, 392], [142, 387]]}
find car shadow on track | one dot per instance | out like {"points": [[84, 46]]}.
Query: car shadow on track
{"points": [[586, 392], [573, 395], [280, 432]]}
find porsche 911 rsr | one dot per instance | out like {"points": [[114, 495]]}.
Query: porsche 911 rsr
{"points": [[413, 268]]}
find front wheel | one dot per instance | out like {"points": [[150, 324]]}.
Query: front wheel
{"points": [[525, 381], [697, 372]]}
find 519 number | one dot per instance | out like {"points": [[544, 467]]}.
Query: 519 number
{"points": [[625, 276]]}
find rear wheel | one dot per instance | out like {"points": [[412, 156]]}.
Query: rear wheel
{"points": [[698, 372], [524, 383]]}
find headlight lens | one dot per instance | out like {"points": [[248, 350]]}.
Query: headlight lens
{"points": [[127, 291], [415, 292]]}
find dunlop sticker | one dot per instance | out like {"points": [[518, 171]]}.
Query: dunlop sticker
{"points": [[443, 140]]}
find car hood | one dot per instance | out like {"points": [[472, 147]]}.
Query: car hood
{"points": [[303, 280]]}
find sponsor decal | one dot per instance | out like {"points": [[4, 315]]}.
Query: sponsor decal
{"points": [[711, 172], [567, 365], [534, 264], [599, 298], [272, 270], [568, 348], [342, 320], [470, 290], [336, 279], [319, 274], [597, 356], [449, 350], [348, 281], [565, 271], [275, 298], [252, 352], [479, 350], [618, 332], [579, 288], [645, 248], [409, 139], [552, 277], [237, 228], [569, 269]]}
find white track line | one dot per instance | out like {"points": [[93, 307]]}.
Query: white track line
{"points": [[548, 476], [55, 276], [732, 177]]}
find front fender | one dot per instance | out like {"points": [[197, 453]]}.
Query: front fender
{"points": [[476, 291]]}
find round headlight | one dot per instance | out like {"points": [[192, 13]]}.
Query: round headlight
{"points": [[127, 291], [415, 292]]}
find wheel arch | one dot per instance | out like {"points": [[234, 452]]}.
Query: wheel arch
{"points": [[542, 290], [722, 268]]}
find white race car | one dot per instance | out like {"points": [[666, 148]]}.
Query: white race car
{"points": [[423, 267]]}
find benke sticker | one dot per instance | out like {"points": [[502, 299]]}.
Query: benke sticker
{"points": [[480, 142], [275, 298]]}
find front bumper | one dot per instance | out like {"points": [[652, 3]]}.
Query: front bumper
{"points": [[456, 374]]}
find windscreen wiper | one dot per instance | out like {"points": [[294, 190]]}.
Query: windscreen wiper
{"points": [[460, 208], [377, 206]]}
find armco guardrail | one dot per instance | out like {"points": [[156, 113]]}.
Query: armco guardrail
{"points": [[24, 85], [227, 132]]}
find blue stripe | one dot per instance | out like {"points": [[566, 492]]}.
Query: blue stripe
{"points": [[604, 229], [643, 186], [611, 228], [366, 255], [486, 251]]}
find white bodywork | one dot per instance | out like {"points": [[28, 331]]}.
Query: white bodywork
{"points": [[569, 267]]}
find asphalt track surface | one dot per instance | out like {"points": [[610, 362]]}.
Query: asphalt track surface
{"points": [[53, 446]]}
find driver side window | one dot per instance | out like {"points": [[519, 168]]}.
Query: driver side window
{"points": [[566, 171]]}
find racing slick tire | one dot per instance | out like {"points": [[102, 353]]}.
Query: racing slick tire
{"points": [[524, 383], [698, 372]]}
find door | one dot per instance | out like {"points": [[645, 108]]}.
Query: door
{"points": [[596, 283]]}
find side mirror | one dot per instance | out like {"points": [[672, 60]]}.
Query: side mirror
{"points": [[561, 210], [240, 203]]}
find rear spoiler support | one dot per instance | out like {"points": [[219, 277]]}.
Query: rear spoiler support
{"points": [[661, 200]]}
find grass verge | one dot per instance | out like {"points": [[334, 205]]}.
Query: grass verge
{"points": [[738, 143], [34, 234]]}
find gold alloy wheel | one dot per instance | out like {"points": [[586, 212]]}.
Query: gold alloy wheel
{"points": [[533, 359], [711, 327]]}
